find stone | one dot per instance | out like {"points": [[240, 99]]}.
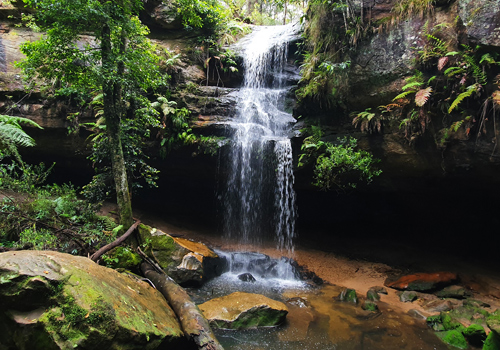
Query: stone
{"points": [[437, 305], [246, 277], [243, 311], [51, 300], [454, 338], [371, 294], [187, 262], [122, 257], [370, 305], [492, 342], [475, 334], [456, 292], [481, 20], [424, 282], [408, 296], [348, 295]]}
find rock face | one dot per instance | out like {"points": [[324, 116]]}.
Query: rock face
{"points": [[187, 262], [50, 300], [244, 310]]}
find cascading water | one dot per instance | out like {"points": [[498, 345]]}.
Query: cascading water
{"points": [[260, 198]]}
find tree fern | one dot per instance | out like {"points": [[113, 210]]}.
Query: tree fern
{"points": [[13, 136]]}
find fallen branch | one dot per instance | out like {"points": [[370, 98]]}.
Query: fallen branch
{"points": [[193, 323], [116, 243]]}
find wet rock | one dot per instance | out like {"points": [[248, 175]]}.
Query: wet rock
{"points": [[348, 295], [408, 296], [187, 262], [244, 310], [417, 314], [454, 338], [456, 292], [246, 277], [372, 295], [51, 300], [475, 303], [370, 305], [493, 321], [299, 302], [475, 334], [379, 290], [423, 282], [437, 305], [492, 342], [481, 20]]}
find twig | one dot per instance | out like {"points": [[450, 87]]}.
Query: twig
{"points": [[116, 243]]}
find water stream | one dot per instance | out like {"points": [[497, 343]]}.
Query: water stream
{"points": [[259, 200]]}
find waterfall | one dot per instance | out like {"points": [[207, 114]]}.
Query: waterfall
{"points": [[259, 200]]}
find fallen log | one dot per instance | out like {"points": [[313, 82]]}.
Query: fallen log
{"points": [[193, 323], [116, 243]]}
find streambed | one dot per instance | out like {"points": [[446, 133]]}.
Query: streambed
{"points": [[317, 320]]}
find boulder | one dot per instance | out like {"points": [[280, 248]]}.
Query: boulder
{"points": [[456, 292], [246, 277], [424, 282], [348, 295], [481, 19], [244, 310], [187, 262], [51, 300]]}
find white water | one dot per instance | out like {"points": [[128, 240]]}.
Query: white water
{"points": [[260, 201]]}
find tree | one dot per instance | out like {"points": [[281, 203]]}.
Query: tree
{"points": [[94, 47]]}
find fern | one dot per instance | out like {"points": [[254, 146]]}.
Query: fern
{"points": [[470, 90], [412, 84], [13, 136], [422, 96], [403, 95]]}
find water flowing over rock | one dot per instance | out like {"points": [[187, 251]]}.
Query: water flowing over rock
{"points": [[260, 199], [244, 310], [50, 300]]}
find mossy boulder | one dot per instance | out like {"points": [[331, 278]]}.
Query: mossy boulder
{"points": [[370, 305], [51, 300], [492, 342], [187, 262], [454, 338], [244, 310], [475, 334], [348, 295]]}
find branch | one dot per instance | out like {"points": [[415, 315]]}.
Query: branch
{"points": [[116, 243]]}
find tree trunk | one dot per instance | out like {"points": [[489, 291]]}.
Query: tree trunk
{"points": [[113, 110], [194, 324], [284, 16]]}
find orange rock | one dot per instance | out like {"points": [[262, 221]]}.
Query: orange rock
{"points": [[424, 281]]}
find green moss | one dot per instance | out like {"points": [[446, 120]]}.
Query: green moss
{"points": [[122, 257], [454, 338], [492, 342], [475, 334], [348, 295], [370, 305]]}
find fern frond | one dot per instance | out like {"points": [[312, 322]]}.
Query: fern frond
{"points": [[453, 70], [422, 96], [470, 90], [13, 135], [412, 84], [403, 95], [431, 79], [442, 62]]}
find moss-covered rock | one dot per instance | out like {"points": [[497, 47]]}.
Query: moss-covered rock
{"points": [[348, 295], [370, 305], [244, 310], [51, 300], [187, 262], [454, 338], [475, 334], [372, 295], [492, 342]]}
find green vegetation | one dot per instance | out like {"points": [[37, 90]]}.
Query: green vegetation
{"points": [[120, 64], [12, 136], [49, 217], [339, 165]]}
